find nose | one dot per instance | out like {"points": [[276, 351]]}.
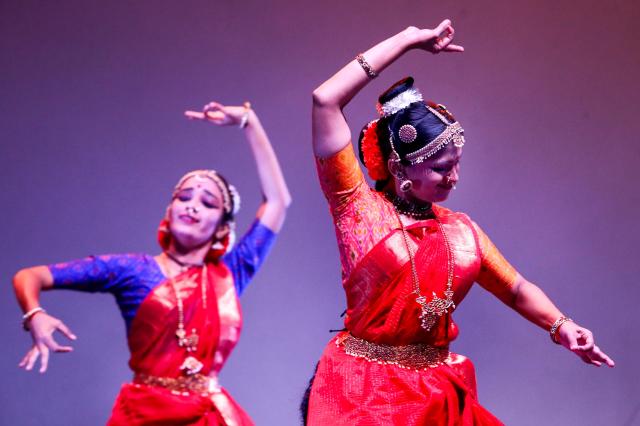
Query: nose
{"points": [[452, 177], [192, 209]]}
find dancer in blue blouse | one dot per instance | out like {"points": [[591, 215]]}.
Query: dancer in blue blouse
{"points": [[180, 307]]}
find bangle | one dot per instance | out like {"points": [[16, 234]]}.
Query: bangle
{"points": [[27, 317], [371, 73], [555, 327], [245, 117]]}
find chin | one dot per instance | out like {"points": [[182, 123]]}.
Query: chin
{"points": [[439, 198], [188, 240]]}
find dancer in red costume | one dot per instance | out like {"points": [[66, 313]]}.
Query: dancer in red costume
{"points": [[180, 307], [406, 261]]}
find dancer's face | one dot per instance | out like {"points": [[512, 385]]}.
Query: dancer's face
{"points": [[195, 212], [434, 178]]}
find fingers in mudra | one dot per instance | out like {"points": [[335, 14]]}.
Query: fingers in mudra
{"points": [[27, 359]]}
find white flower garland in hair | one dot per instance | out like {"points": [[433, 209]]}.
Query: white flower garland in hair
{"points": [[235, 196], [400, 102]]}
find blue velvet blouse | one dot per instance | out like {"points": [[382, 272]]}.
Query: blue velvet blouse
{"points": [[130, 277]]}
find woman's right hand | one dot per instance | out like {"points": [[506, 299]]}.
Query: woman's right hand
{"points": [[42, 327], [436, 40]]}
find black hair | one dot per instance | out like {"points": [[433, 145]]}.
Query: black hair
{"points": [[428, 126]]}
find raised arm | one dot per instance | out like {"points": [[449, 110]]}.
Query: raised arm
{"points": [[28, 283], [330, 130], [274, 188]]}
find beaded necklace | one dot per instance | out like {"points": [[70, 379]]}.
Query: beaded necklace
{"points": [[407, 208]]}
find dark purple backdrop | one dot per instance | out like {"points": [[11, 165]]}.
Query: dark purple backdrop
{"points": [[93, 139]]}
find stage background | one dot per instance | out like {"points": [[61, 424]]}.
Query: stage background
{"points": [[93, 140]]}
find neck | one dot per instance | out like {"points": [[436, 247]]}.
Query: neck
{"points": [[187, 258], [409, 206]]}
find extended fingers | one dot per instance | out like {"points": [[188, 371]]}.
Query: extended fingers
{"points": [[443, 42], [44, 358], [600, 357], [66, 331], [443, 26], [194, 115], [453, 48], [212, 106], [29, 359]]}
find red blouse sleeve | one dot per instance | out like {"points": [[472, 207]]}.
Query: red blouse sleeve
{"points": [[360, 215], [496, 273], [340, 177]]}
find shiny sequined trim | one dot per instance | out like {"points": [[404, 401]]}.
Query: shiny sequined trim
{"points": [[197, 383], [414, 357]]}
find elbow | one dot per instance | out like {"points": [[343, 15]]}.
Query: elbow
{"points": [[21, 277], [286, 201], [321, 99], [282, 203]]}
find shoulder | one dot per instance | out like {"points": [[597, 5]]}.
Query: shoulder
{"points": [[127, 263], [455, 217]]}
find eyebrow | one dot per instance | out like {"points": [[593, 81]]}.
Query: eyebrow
{"points": [[447, 162], [214, 196]]}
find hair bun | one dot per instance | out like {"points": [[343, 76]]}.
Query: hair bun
{"points": [[393, 91]]}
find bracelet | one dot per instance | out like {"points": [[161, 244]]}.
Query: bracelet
{"points": [[371, 73], [27, 317], [556, 326], [245, 117]]}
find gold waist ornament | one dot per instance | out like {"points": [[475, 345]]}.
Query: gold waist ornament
{"points": [[419, 356], [196, 383]]}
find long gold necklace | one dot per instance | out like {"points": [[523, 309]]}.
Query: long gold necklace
{"points": [[430, 312], [190, 365]]}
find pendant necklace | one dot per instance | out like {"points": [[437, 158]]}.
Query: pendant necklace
{"points": [[437, 307], [191, 365]]}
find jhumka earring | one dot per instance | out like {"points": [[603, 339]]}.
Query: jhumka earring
{"points": [[405, 183]]}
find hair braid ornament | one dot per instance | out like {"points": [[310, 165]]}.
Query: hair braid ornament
{"points": [[372, 153]]}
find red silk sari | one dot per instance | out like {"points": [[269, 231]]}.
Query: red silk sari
{"points": [[381, 309], [155, 353]]}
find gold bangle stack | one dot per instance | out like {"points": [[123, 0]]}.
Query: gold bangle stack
{"points": [[553, 331]]}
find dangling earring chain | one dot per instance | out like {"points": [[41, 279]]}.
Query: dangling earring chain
{"points": [[437, 307]]}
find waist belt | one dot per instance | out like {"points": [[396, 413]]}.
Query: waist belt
{"points": [[417, 356], [196, 383]]}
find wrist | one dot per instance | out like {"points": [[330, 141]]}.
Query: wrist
{"points": [[555, 328], [407, 39], [246, 117], [28, 316]]}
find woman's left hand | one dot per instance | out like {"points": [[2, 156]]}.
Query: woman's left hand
{"points": [[579, 340], [219, 114]]}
